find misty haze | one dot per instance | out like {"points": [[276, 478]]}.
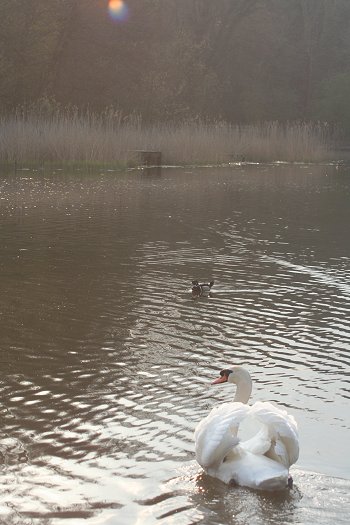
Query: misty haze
{"points": [[174, 229]]}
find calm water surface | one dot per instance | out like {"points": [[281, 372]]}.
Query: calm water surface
{"points": [[106, 360]]}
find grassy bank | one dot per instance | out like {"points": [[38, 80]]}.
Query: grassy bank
{"points": [[69, 137]]}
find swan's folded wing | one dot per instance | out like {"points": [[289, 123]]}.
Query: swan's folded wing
{"points": [[258, 444], [282, 430], [216, 435]]}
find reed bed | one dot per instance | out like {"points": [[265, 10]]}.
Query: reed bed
{"points": [[109, 138]]}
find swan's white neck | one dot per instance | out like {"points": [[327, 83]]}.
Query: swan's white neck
{"points": [[241, 378]]}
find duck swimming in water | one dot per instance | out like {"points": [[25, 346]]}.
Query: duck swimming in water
{"points": [[199, 289]]}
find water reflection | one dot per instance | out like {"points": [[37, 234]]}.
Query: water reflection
{"points": [[246, 506], [106, 359]]}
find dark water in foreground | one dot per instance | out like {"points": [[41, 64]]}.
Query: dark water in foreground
{"points": [[106, 359]]}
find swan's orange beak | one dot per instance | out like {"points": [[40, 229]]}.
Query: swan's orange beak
{"points": [[221, 379]]}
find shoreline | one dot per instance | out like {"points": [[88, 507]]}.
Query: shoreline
{"points": [[65, 139], [11, 167]]}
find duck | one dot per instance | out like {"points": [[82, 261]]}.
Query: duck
{"points": [[199, 289], [261, 462]]}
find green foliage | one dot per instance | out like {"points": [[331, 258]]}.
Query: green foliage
{"points": [[239, 60], [30, 32], [332, 103]]}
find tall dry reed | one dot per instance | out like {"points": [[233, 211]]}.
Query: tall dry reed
{"points": [[66, 136]]}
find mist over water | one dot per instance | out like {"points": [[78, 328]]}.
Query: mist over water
{"points": [[106, 359]]}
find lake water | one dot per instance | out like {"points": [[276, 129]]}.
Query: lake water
{"points": [[106, 359]]}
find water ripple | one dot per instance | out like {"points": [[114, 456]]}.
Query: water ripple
{"points": [[107, 359]]}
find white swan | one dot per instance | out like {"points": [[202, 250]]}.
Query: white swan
{"points": [[261, 462]]}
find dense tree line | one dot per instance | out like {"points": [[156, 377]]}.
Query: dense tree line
{"points": [[238, 60]]}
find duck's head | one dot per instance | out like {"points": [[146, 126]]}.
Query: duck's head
{"points": [[196, 288]]}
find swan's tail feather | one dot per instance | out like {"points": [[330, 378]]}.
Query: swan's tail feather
{"points": [[250, 470]]}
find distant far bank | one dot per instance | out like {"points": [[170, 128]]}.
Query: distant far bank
{"points": [[110, 139]]}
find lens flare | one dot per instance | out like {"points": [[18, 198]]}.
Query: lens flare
{"points": [[118, 10]]}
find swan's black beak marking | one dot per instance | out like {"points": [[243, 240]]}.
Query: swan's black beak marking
{"points": [[223, 377]]}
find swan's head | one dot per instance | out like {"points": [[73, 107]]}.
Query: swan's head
{"points": [[240, 377], [236, 375]]}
